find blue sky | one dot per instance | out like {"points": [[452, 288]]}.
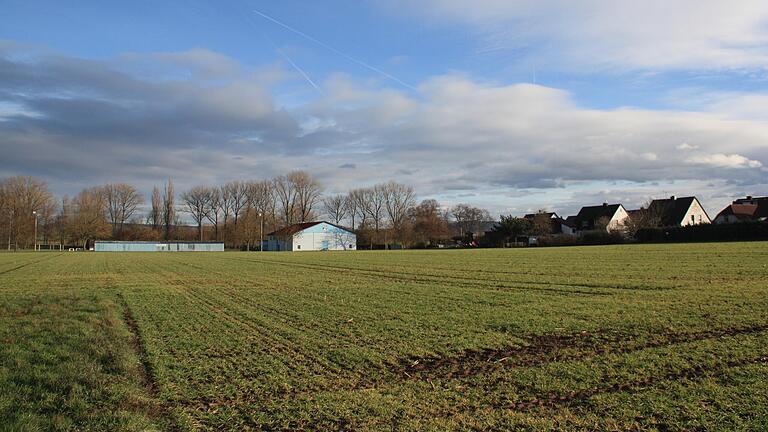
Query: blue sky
{"points": [[512, 105]]}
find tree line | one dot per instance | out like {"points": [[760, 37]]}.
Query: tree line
{"points": [[238, 213]]}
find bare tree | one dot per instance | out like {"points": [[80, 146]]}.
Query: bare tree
{"points": [[429, 222], [88, 219], [122, 201], [356, 200], [197, 203], [227, 203], [542, 223], [235, 197], [468, 218], [373, 203], [233, 202], [648, 216], [168, 209], [285, 191], [335, 207], [215, 204], [398, 199], [155, 217], [308, 192], [350, 208]]}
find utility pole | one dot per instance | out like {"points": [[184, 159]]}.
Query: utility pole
{"points": [[261, 234], [34, 213]]}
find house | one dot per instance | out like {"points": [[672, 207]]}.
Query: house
{"points": [[556, 225], [607, 217], [568, 226], [548, 215], [747, 209], [679, 211], [311, 236]]}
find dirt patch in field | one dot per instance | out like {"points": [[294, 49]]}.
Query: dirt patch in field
{"points": [[545, 349]]}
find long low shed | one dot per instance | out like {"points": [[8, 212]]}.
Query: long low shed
{"points": [[144, 246]]}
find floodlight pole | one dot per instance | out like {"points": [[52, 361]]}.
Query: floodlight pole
{"points": [[261, 233], [34, 213]]}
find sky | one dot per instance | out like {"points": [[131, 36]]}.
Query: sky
{"points": [[511, 105]]}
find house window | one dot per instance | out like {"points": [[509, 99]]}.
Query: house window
{"points": [[693, 219], [298, 246], [351, 247]]}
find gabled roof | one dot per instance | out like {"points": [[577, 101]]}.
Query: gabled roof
{"points": [[532, 216], [588, 216], [751, 200], [671, 210], [746, 211], [570, 221], [293, 229]]}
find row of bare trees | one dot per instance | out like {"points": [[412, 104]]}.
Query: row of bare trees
{"points": [[236, 209], [232, 210], [24, 203], [388, 213], [238, 213]]}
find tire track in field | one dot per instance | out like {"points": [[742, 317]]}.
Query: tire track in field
{"points": [[531, 282], [635, 287], [425, 277], [314, 362], [431, 279], [29, 264], [294, 320], [281, 346], [147, 372]]}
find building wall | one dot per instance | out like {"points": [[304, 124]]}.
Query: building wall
{"points": [[276, 244], [324, 237], [128, 246], [619, 220], [565, 229], [726, 219], [698, 213]]}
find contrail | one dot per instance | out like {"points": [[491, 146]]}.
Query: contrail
{"points": [[287, 58], [295, 66], [328, 47], [301, 71]]}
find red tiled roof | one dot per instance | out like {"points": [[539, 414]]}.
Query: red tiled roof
{"points": [[740, 210], [293, 229]]}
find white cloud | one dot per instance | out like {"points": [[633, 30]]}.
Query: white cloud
{"points": [[652, 34], [721, 160], [686, 146], [454, 136]]}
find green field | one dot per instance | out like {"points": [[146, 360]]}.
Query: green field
{"points": [[667, 337]]}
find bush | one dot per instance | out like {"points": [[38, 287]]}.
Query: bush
{"points": [[706, 233]]}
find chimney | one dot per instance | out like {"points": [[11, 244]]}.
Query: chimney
{"points": [[672, 197], [749, 197], [605, 204]]}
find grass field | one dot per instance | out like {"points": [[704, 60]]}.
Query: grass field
{"points": [[667, 337]]}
